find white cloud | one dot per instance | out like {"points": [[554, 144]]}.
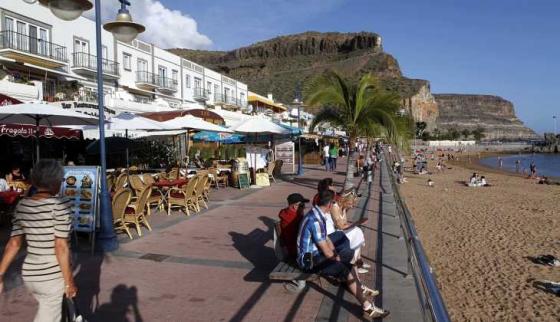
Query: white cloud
{"points": [[165, 28]]}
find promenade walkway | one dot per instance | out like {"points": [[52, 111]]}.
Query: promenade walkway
{"points": [[214, 266]]}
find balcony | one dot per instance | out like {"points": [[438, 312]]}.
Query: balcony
{"points": [[147, 80], [200, 94], [84, 63], [219, 99], [25, 49], [166, 84]]}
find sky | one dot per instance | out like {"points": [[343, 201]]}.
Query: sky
{"points": [[508, 48]]}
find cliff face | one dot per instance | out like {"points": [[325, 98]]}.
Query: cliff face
{"points": [[277, 65], [492, 113]]}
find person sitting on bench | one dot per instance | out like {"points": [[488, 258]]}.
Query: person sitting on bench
{"points": [[290, 217], [337, 223], [317, 254]]}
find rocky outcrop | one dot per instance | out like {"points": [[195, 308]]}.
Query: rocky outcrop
{"points": [[277, 65], [492, 113]]}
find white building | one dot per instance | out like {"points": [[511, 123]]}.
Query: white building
{"points": [[45, 58]]}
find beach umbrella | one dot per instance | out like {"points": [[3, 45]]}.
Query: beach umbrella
{"points": [[227, 138], [43, 114]]}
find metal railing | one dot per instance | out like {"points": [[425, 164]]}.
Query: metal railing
{"points": [[85, 60], [219, 98], [431, 301], [22, 42], [200, 93], [147, 78], [166, 83]]}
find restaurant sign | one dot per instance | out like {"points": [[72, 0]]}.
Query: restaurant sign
{"points": [[26, 131], [87, 108]]}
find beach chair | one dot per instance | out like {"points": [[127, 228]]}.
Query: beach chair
{"points": [[120, 202], [135, 213], [183, 197]]}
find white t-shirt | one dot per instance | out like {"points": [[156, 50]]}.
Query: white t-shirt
{"points": [[326, 151], [4, 185]]}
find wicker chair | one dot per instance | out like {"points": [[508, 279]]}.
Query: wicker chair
{"points": [[121, 181], [270, 171], [120, 201], [135, 212], [136, 184], [183, 197], [199, 190], [218, 179], [156, 198]]}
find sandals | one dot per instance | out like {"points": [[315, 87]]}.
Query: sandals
{"points": [[366, 291], [375, 312]]}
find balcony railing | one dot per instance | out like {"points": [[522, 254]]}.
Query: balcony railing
{"points": [[147, 78], [219, 98], [24, 43], [166, 83], [200, 93], [85, 60]]}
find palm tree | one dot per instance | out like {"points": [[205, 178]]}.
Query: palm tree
{"points": [[355, 108]]}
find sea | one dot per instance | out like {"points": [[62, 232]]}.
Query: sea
{"points": [[548, 164]]}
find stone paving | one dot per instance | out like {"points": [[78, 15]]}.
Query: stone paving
{"points": [[212, 266]]}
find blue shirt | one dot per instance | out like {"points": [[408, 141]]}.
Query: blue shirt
{"points": [[312, 230]]}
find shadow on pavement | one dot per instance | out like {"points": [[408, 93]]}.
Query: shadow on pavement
{"points": [[124, 299]]}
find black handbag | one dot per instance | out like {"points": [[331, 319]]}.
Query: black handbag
{"points": [[70, 312]]}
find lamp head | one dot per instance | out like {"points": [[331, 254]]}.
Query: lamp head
{"points": [[123, 28], [66, 9]]}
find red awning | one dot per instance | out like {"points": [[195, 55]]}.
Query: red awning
{"points": [[26, 131]]}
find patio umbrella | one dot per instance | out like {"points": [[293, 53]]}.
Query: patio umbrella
{"points": [[227, 138], [189, 122], [127, 122], [43, 114], [256, 125]]}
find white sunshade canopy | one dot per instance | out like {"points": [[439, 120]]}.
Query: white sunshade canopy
{"points": [[189, 122], [259, 125], [125, 124], [43, 114]]}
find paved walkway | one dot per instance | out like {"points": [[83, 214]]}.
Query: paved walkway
{"points": [[214, 266]]}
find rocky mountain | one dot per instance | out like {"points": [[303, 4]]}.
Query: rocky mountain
{"points": [[277, 65], [493, 113]]}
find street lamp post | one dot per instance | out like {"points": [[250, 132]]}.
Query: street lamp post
{"points": [[298, 101], [554, 121], [123, 29]]}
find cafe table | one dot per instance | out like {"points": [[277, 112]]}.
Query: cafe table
{"points": [[163, 185]]}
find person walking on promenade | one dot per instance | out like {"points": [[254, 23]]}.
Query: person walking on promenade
{"points": [[326, 157], [43, 221], [333, 153], [316, 254]]}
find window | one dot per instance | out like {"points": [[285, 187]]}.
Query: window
{"points": [[142, 65], [209, 87], [127, 61], [197, 82], [188, 81], [216, 88], [175, 76]]}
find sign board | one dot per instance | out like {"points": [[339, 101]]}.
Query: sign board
{"points": [[87, 108], [81, 185], [286, 152], [244, 181]]}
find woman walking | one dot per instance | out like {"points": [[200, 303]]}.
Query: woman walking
{"points": [[43, 220]]}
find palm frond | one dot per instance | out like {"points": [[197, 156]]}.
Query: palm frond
{"points": [[327, 114]]}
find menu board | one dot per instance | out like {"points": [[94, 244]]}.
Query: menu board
{"points": [[244, 181], [81, 185], [286, 152]]}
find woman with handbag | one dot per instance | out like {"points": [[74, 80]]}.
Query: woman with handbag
{"points": [[44, 221]]}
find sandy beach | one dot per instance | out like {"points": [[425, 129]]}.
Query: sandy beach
{"points": [[477, 240]]}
